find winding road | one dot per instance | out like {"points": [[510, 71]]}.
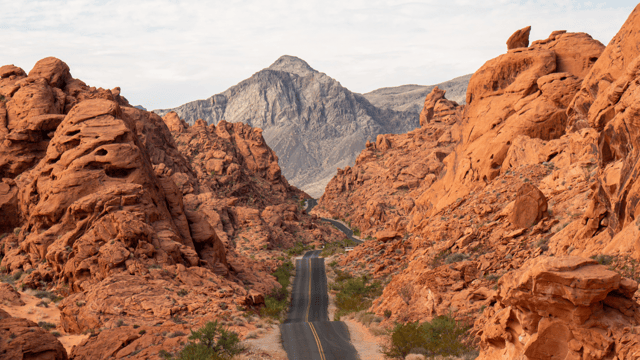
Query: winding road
{"points": [[311, 203], [307, 333]]}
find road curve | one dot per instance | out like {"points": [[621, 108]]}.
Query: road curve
{"points": [[307, 333], [311, 203]]}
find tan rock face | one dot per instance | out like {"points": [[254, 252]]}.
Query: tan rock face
{"points": [[519, 39], [24, 339]]}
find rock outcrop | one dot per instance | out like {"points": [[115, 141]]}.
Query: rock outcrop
{"points": [[24, 339], [132, 218], [519, 39], [537, 193], [562, 308], [377, 192], [314, 124]]}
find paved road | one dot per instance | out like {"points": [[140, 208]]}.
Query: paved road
{"points": [[311, 203], [307, 333]]}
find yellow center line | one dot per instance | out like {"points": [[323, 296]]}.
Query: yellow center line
{"points": [[309, 304], [315, 335]]}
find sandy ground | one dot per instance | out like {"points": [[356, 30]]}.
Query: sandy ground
{"points": [[37, 314], [367, 345], [267, 346]]}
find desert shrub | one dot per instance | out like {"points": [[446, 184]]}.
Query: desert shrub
{"points": [[182, 292], [46, 325], [10, 279], [213, 341], [355, 294], [297, 249], [277, 301], [356, 232], [441, 336], [603, 259], [40, 294], [387, 313], [454, 258], [56, 333]]}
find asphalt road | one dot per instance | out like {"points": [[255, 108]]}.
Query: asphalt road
{"points": [[307, 333], [311, 203]]}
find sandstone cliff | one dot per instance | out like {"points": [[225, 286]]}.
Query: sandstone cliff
{"points": [[313, 123], [135, 219], [528, 226]]}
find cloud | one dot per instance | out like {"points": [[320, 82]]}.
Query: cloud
{"points": [[165, 53]]}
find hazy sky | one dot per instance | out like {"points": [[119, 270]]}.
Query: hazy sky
{"points": [[163, 53]]}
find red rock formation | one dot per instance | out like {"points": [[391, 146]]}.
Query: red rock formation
{"points": [[562, 308], [101, 205], [24, 339], [545, 164], [378, 192], [519, 39]]}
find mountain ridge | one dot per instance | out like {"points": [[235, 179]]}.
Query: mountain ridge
{"points": [[314, 124]]}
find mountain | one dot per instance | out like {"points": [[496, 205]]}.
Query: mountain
{"points": [[411, 97], [314, 124]]}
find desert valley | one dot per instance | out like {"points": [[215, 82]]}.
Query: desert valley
{"points": [[493, 216]]}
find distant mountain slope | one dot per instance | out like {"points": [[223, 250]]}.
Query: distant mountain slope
{"points": [[411, 97], [313, 123]]}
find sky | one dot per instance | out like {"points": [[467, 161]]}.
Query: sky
{"points": [[164, 53]]}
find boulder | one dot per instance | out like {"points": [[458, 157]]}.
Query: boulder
{"points": [[554, 308], [530, 206], [519, 39], [23, 339]]}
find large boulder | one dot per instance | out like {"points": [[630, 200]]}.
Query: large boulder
{"points": [[562, 308], [23, 339]]}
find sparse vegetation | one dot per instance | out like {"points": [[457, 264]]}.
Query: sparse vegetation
{"points": [[46, 325], [441, 336], [356, 232], [454, 258], [336, 247], [603, 259], [298, 249], [354, 294], [277, 301], [211, 342]]}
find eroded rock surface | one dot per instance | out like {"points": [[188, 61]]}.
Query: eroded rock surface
{"points": [[136, 219]]}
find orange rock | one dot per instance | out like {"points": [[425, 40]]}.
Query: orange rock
{"points": [[519, 39], [530, 206], [24, 339]]}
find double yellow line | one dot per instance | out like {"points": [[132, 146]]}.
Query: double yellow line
{"points": [[313, 329]]}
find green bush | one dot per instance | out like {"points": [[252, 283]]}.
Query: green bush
{"points": [[441, 336], [277, 301], [298, 249], [356, 232], [354, 294], [603, 259], [212, 341]]}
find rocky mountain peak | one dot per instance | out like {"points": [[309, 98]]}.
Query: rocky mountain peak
{"points": [[292, 64]]}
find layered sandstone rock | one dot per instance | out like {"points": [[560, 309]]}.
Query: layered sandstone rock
{"points": [[24, 339], [519, 39], [132, 218], [542, 178], [562, 308]]}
